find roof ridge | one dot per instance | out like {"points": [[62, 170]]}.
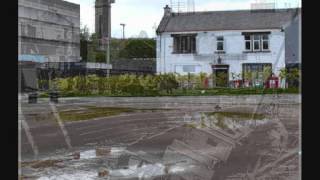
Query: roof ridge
{"points": [[227, 20], [237, 10]]}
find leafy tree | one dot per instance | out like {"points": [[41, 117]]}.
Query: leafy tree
{"points": [[293, 77], [84, 33], [95, 52], [84, 39], [100, 57], [139, 48], [283, 73]]}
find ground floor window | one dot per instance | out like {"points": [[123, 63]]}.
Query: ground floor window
{"points": [[256, 73]]}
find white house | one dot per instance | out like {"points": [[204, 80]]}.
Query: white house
{"points": [[232, 42]]}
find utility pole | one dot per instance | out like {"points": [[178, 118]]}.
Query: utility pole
{"points": [[123, 25]]}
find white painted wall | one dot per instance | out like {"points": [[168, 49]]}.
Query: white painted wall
{"points": [[206, 45]]}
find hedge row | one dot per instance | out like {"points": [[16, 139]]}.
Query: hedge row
{"points": [[159, 85]]}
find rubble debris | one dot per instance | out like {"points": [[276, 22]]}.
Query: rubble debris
{"points": [[217, 107], [42, 163], [103, 172], [103, 151], [76, 155]]}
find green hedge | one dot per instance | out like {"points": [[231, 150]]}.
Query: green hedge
{"points": [[159, 85]]}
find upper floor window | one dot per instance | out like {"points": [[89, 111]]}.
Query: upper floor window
{"points": [[220, 43], [184, 43], [247, 39], [256, 41], [265, 42]]}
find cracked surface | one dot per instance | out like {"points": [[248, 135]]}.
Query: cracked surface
{"points": [[162, 144]]}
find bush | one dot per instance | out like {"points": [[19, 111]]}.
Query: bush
{"points": [[149, 84], [133, 85], [43, 84], [168, 82]]}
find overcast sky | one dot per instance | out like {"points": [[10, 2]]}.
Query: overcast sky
{"points": [[145, 15]]}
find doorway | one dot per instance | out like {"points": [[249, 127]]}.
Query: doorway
{"points": [[220, 75]]}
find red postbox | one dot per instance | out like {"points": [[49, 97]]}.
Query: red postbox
{"points": [[206, 82], [273, 82], [237, 83]]}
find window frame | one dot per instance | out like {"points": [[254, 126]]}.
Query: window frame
{"points": [[248, 41], [220, 39], [184, 43], [265, 40], [253, 40], [255, 67]]}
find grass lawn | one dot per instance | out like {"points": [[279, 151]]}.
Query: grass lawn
{"points": [[91, 112], [238, 115]]}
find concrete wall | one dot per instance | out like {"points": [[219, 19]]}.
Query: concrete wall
{"points": [[206, 46], [49, 30]]}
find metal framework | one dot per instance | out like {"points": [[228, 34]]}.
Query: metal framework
{"points": [[180, 6]]}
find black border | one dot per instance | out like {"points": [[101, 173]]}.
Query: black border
{"points": [[9, 88], [309, 90]]}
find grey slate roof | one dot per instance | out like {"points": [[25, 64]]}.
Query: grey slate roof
{"points": [[227, 20]]}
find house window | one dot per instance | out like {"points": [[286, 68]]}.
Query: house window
{"points": [[184, 44], [256, 42], [247, 40], [220, 41], [265, 42], [255, 68]]}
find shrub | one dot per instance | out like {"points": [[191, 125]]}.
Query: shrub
{"points": [[133, 85], [149, 84], [168, 82]]}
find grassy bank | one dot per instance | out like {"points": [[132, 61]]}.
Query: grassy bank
{"points": [[180, 92]]}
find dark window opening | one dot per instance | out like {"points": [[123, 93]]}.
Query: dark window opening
{"points": [[220, 42], [184, 44], [265, 45], [247, 39], [256, 45]]}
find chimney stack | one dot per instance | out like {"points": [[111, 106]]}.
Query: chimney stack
{"points": [[167, 11]]}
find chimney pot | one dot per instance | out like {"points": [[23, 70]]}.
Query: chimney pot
{"points": [[167, 11]]}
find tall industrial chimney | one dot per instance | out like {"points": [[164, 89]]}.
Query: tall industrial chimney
{"points": [[103, 25], [103, 17]]}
